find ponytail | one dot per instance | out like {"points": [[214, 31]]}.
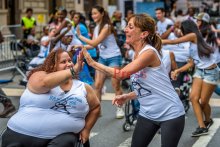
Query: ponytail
{"points": [[155, 41]]}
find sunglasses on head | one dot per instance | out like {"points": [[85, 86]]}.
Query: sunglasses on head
{"points": [[68, 36]]}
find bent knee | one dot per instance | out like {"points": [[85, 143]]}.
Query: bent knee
{"points": [[193, 98]]}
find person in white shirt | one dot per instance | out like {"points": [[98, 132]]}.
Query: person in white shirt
{"points": [[206, 74], [109, 52], [160, 106], [168, 59], [55, 109], [163, 22]]}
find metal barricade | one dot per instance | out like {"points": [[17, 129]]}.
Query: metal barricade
{"points": [[9, 54], [18, 32], [12, 29]]}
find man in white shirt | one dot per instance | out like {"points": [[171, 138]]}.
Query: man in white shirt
{"points": [[163, 22]]}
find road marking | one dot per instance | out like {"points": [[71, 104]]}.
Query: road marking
{"points": [[108, 96], [204, 140], [13, 91], [93, 134], [126, 143], [201, 142], [215, 102]]}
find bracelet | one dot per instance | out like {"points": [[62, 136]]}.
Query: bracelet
{"points": [[172, 28], [73, 73]]}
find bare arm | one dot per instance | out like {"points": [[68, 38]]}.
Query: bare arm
{"points": [[167, 33], [94, 111], [147, 58], [173, 62], [191, 37], [58, 37], [42, 82], [95, 41], [186, 67], [63, 25]]}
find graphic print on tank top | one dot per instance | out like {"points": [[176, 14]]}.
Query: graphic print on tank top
{"points": [[139, 88], [65, 104]]}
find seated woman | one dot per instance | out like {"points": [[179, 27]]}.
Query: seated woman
{"points": [[56, 108]]}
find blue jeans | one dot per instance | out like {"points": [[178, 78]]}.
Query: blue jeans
{"points": [[111, 62]]}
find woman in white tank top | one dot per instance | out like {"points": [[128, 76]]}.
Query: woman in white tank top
{"points": [[109, 52], [160, 106], [55, 108], [205, 77]]}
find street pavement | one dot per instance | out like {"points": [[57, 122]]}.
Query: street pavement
{"points": [[108, 131]]}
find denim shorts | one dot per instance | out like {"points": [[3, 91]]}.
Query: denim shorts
{"points": [[210, 76], [111, 62]]}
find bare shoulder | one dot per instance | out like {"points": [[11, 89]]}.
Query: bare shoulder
{"points": [[88, 88]]}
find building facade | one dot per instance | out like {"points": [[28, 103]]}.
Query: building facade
{"points": [[11, 11]]}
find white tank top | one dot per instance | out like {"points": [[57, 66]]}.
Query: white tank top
{"points": [[158, 99], [201, 62], [53, 113], [108, 47], [166, 60], [217, 55], [181, 51]]}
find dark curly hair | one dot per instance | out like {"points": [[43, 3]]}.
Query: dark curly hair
{"points": [[50, 62]]}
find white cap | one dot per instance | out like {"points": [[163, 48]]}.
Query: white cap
{"points": [[68, 33], [45, 38], [203, 16]]}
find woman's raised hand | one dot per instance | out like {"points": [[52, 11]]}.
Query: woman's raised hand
{"points": [[78, 31], [79, 64], [87, 56]]}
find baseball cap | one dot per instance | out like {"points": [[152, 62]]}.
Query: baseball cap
{"points": [[203, 16]]}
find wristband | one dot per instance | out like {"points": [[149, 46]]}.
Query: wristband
{"points": [[74, 74]]}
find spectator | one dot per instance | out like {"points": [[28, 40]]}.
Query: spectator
{"points": [[163, 22], [28, 23]]}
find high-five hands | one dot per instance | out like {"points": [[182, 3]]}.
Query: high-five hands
{"points": [[88, 58], [79, 64]]}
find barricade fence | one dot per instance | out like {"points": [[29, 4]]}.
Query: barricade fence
{"points": [[12, 29], [18, 32], [9, 54]]}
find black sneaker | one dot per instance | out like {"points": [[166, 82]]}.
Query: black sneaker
{"points": [[199, 132], [208, 124]]}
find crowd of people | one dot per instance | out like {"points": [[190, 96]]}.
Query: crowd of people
{"points": [[163, 54]]}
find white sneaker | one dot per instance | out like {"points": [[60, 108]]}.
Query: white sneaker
{"points": [[104, 89], [120, 113]]}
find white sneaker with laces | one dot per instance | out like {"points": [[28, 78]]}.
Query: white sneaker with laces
{"points": [[120, 113]]}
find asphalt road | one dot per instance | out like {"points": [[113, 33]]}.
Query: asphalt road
{"points": [[108, 131]]}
